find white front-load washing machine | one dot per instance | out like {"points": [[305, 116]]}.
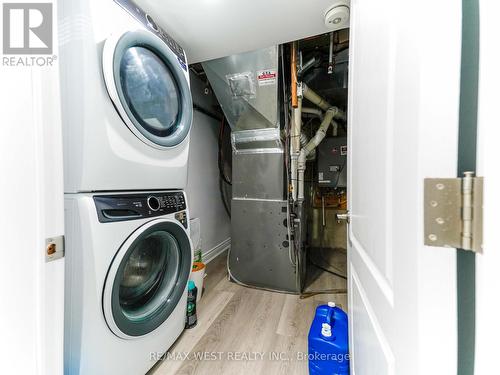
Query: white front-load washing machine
{"points": [[126, 100], [128, 260]]}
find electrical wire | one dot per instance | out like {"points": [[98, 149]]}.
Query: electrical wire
{"points": [[221, 154], [292, 254], [325, 291], [222, 188], [224, 181]]}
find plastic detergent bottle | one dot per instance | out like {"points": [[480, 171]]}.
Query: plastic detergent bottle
{"points": [[191, 318], [329, 342]]}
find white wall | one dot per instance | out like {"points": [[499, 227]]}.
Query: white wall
{"points": [[31, 187], [203, 193]]}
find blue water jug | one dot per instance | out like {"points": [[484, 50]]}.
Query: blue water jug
{"points": [[329, 342]]}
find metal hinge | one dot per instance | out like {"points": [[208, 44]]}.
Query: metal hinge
{"points": [[453, 212]]}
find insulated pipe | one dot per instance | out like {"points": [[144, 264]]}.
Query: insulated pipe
{"points": [[293, 68], [313, 143], [335, 129], [319, 113], [320, 102], [320, 134], [314, 98], [313, 111]]}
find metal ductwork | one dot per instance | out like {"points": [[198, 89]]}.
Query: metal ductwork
{"points": [[246, 86]]}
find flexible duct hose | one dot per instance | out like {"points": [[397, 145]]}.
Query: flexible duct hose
{"points": [[304, 140]]}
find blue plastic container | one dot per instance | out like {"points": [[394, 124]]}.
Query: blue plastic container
{"points": [[329, 342]]}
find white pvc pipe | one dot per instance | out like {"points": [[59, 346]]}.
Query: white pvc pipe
{"points": [[297, 125], [313, 143], [293, 177], [298, 164], [319, 113], [295, 144], [319, 136]]}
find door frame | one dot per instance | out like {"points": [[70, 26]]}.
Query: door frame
{"points": [[487, 264], [467, 150]]}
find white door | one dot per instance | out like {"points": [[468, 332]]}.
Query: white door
{"points": [[403, 127]]}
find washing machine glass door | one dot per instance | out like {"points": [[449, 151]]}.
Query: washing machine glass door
{"points": [[149, 88], [147, 278]]}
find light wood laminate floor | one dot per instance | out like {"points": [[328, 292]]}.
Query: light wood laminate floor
{"points": [[247, 331]]}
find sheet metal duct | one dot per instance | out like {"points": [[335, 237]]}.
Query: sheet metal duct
{"points": [[246, 86]]}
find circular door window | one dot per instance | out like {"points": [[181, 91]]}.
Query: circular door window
{"points": [[147, 278], [148, 87]]}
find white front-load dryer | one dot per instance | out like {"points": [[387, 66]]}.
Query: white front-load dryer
{"points": [[128, 260], [126, 100]]}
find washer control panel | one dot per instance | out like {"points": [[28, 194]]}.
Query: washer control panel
{"points": [[152, 26], [122, 207]]}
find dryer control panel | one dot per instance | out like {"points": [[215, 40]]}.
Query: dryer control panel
{"points": [[152, 26], [122, 207]]}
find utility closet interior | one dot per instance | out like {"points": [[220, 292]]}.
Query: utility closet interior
{"points": [[283, 162], [247, 187]]}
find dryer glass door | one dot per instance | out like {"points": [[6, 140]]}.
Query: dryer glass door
{"points": [[150, 91], [148, 86], [147, 278]]}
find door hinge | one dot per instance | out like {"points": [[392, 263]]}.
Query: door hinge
{"points": [[453, 212]]}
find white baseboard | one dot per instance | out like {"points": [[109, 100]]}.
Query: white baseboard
{"points": [[216, 250]]}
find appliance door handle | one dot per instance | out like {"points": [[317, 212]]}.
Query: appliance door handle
{"points": [[120, 214]]}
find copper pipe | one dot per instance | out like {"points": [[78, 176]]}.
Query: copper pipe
{"points": [[293, 68]]}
